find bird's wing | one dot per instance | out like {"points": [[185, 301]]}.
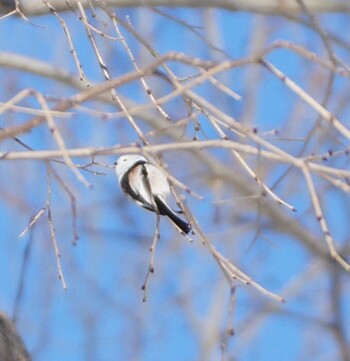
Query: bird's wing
{"points": [[136, 185], [145, 187]]}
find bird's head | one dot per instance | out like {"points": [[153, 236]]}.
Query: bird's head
{"points": [[126, 162]]}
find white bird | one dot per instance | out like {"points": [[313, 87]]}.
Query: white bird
{"points": [[148, 186]]}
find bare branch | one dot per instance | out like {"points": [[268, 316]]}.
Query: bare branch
{"points": [[266, 7], [151, 262]]}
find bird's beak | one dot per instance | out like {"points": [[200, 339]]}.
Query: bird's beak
{"points": [[115, 163]]}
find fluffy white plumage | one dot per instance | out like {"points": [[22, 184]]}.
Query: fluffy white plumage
{"points": [[147, 185]]}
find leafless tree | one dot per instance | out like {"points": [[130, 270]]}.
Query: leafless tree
{"points": [[249, 126]]}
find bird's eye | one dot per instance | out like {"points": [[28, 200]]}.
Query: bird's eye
{"points": [[124, 160]]}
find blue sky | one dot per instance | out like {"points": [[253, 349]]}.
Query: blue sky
{"points": [[101, 316]]}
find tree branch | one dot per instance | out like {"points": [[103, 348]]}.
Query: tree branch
{"points": [[277, 7]]}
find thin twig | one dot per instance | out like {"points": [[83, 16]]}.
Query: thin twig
{"points": [[78, 65], [245, 165], [52, 228], [60, 142], [105, 72], [322, 221], [295, 88], [142, 79], [231, 271], [222, 87], [18, 11], [32, 221], [151, 263], [229, 332], [25, 110], [73, 204]]}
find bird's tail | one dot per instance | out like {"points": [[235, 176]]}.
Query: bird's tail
{"points": [[165, 210]]}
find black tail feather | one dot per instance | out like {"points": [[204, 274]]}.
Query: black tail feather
{"points": [[166, 211]]}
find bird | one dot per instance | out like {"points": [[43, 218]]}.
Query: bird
{"points": [[148, 186]]}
